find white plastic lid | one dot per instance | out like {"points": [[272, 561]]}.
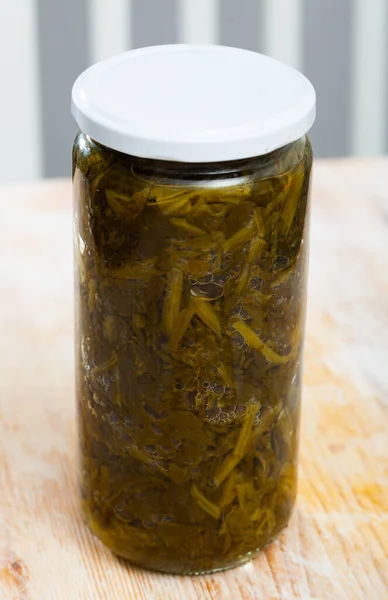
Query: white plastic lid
{"points": [[193, 103]]}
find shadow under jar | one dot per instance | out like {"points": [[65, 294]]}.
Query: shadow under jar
{"points": [[190, 308]]}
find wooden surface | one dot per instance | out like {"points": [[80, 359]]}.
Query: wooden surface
{"points": [[336, 546]]}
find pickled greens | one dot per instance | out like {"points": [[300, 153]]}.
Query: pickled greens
{"points": [[190, 288]]}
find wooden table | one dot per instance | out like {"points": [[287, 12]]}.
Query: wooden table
{"points": [[336, 547]]}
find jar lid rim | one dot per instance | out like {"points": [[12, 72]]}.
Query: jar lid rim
{"points": [[193, 103]]}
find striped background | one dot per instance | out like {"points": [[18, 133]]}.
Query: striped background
{"points": [[341, 45]]}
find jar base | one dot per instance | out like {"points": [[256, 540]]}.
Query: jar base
{"points": [[247, 558], [238, 562]]}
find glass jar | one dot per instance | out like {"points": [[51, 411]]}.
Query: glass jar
{"points": [[190, 308]]}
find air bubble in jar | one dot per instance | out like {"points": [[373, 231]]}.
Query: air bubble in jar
{"points": [[113, 418]]}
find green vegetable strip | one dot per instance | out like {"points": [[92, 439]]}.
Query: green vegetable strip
{"points": [[246, 428], [242, 281], [225, 374], [229, 194], [285, 422], [173, 300], [283, 278], [240, 238], [80, 264], [229, 491], [108, 326], [176, 473], [179, 206], [128, 203], [258, 216], [286, 428], [186, 226], [143, 459], [208, 315], [212, 509], [134, 272], [291, 202], [117, 202], [92, 294], [104, 480], [118, 394], [109, 364], [240, 448], [180, 327], [266, 520], [255, 248], [267, 418], [144, 271], [253, 341]]}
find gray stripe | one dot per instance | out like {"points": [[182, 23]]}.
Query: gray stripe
{"points": [[154, 22], [240, 24], [63, 50], [385, 75], [327, 63]]}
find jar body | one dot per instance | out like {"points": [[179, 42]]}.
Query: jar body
{"points": [[190, 308]]}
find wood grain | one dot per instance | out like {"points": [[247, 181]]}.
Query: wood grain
{"points": [[336, 547]]}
